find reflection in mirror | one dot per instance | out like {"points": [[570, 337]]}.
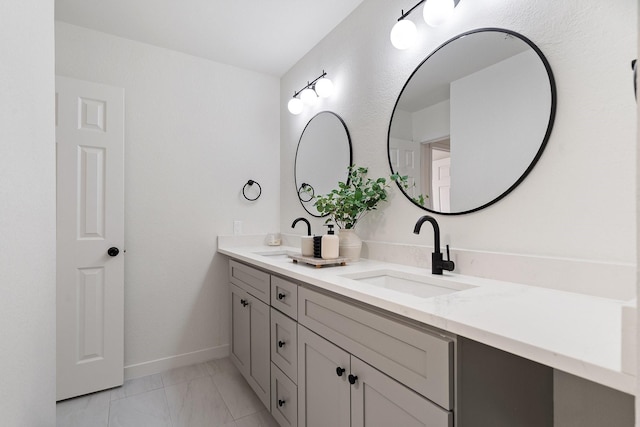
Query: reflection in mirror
{"points": [[322, 158], [472, 120]]}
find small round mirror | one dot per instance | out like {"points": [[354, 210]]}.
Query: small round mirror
{"points": [[322, 158], [472, 120]]}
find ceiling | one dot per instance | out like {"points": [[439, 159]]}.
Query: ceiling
{"points": [[267, 36]]}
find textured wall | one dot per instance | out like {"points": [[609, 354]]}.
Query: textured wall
{"points": [[578, 202], [27, 215], [195, 132]]}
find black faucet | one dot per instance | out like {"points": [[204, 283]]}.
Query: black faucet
{"points": [[437, 263], [305, 221]]}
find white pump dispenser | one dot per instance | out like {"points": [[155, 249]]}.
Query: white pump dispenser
{"points": [[330, 244]]}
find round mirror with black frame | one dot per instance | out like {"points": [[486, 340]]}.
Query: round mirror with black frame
{"points": [[472, 120], [322, 158]]}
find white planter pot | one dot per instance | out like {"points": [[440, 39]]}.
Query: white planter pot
{"points": [[350, 244]]}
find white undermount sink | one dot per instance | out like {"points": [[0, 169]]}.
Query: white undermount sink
{"points": [[274, 254], [407, 283]]}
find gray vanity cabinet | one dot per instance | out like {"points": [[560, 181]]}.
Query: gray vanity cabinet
{"points": [[250, 329], [336, 388], [315, 360]]}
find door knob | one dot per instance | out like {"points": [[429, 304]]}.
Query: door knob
{"points": [[352, 379], [340, 371], [113, 251]]}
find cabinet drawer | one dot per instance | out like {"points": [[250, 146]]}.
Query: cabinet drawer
{"points": [[284, 344], [284, 398], [252, 280], [421, 360], [284, 296]]}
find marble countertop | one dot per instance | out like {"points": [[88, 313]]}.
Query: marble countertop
{"points": [[574, 333]]}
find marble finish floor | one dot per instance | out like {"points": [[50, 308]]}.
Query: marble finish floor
{"points": [[212, 394]]}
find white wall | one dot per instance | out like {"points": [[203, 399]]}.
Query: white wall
{"points": [[195, 132], [431, 123], [27, 215], [579, 201]]}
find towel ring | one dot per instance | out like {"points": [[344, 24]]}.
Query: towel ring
{"points": [[250, 183], [304, 188]]}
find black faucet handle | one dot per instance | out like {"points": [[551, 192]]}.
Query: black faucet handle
{"points": [[448, 264]]}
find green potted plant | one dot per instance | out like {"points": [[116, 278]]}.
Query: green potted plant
{"points": [[348, 203]]}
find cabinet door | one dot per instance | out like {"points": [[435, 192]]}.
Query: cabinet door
{"points": [[240, 329], [323, 395], [260, 361], [379, 401], [250, 332]]}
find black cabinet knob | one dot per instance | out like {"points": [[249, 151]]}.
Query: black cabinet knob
{"points": [[113, 251], [281, 344], [281, 296], [352, 379], [281, 402], [340, 371], [244, 302]]}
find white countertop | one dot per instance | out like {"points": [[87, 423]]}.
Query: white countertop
{"points": [[575, 333]]}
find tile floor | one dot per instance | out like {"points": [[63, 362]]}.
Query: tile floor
{"points": [[212, 394]]}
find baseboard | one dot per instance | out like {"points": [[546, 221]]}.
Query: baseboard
{"points": [[160, 365]]}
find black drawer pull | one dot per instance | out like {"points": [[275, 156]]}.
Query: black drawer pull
{"points": [[353, 379], [281, 344], [340, 371], [281, 296], [281, 403], [244, 302]]}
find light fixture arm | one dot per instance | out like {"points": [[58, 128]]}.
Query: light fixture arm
{"points": [[295, 94], [404, 15]]}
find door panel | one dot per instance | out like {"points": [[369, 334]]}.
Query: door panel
{"points": [[441, 181], [323, 396], [90, 220]]}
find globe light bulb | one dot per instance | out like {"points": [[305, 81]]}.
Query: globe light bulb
{"points": [[403, 34], [309, 97], [295, 106], [436, 12], [324, 87]]}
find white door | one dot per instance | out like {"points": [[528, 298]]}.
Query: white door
{"points": [[405, 159], [90, 237], [441, 182]]}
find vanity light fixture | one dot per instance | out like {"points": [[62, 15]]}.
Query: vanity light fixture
{"points": [[435, 13], [320, 87]]}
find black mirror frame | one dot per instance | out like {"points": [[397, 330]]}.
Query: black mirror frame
{"points": [[547, 135], [295, 163]]}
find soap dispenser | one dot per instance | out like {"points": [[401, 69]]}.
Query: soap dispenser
{"points": [[330, 244]]}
